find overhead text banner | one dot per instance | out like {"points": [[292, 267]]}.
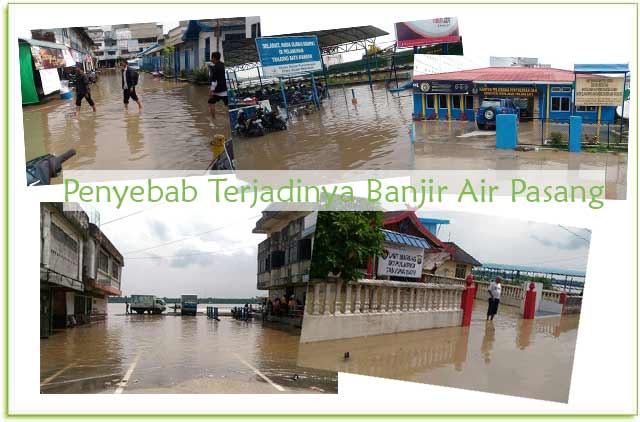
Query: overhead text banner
{"points": [[442, 87], [425, 32], [289, 55], [400, 261], [599, 91]]}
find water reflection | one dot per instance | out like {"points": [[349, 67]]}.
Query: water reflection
{"points": [[174, 354], [532, 358], [173, 130]]}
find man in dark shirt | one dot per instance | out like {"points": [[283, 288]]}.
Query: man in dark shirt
{"points": [[218, 81], [82, 89], [129, 85]]}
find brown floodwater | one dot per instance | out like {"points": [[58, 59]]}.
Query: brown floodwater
{"points": [[526, 358], [174, 354], [173, 130], [372, 135]]}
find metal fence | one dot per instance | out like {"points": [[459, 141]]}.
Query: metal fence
{"points": [[555, 133]]}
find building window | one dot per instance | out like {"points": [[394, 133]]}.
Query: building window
{"points": [[239, 36], [115, 271], [566, 89], [430, 102], [468, 102], [103, 262], [586, 108], [560, 103], [255, 30], [207, 49], [442, 101], [455, 101], [461, 271], [556, 89]]}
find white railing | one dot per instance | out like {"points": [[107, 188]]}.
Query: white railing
{"points": [[439, 279], [380, 296], [551, 296]]}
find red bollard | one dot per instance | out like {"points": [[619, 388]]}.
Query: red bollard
{"points": [[530, 303], [563, 300], [476, 292], [370, 267], [468, 295]]}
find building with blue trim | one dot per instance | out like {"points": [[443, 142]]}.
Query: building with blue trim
{"points": [[539, 92]]}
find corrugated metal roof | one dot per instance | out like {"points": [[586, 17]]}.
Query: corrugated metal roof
{"points": [[503, 74], [405, 239], [237, 52]]}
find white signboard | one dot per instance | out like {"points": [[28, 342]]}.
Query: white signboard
{"points": [[599, 91], [50, 80], [400, 261], [428, 64]]}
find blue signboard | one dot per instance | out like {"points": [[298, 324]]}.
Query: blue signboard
{"points": [[289, 55]]}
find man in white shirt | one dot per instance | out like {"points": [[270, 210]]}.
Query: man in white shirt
{"points": [[495, 288]]}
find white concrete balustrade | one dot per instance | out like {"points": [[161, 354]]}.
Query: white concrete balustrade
{"points": [[336, 310]]}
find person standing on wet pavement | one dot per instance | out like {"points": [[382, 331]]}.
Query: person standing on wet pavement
{"points": [[128, 310], [129, 82], [218, 84], [495, 288], [82, 89]]}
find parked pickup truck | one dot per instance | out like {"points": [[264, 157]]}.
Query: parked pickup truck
{"points": [[189, 304], [147, 303], [490, 108]]}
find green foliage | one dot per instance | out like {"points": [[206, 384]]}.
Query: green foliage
{"points": [[200, 75], [167, 51], [557, 138], [343, 243], [183, 74]]}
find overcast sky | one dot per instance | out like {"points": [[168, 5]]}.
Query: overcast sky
{"points": [[506, 241], [175, 249], [560, 35]]}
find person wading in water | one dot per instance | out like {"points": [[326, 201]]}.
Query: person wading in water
{"points": [[495, 288], [82, 89], [129, 82], [218, 81]]}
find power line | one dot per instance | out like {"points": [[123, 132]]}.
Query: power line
{"points": [[189, 237], [128, 215], [574, 233]]}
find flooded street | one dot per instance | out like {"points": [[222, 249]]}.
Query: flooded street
{"points": [[370, 136], [442, 145], [174, 354], [376, 135], [529, 358], [173, 131]]}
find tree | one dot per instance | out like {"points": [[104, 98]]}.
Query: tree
{"points": [[344, 241]]}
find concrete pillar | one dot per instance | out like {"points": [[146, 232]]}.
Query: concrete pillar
{"points": [[383, 299], [506, 131], [365, 307], [427, 299], [315, 307], [468, 295], [347, 299], [575, 133], [563, 300], [374, 299], [327, 299], [338, 306], [357, 305], [530, 303], [411, 299], [397, 301]]}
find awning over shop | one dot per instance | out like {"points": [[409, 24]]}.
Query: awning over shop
{"points": [[27, 84], [238, 52], [405, 239]]}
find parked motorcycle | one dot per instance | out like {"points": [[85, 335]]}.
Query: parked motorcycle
{"points": [[41, 170], [93, 76], [271, 120], [249, 126]]}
